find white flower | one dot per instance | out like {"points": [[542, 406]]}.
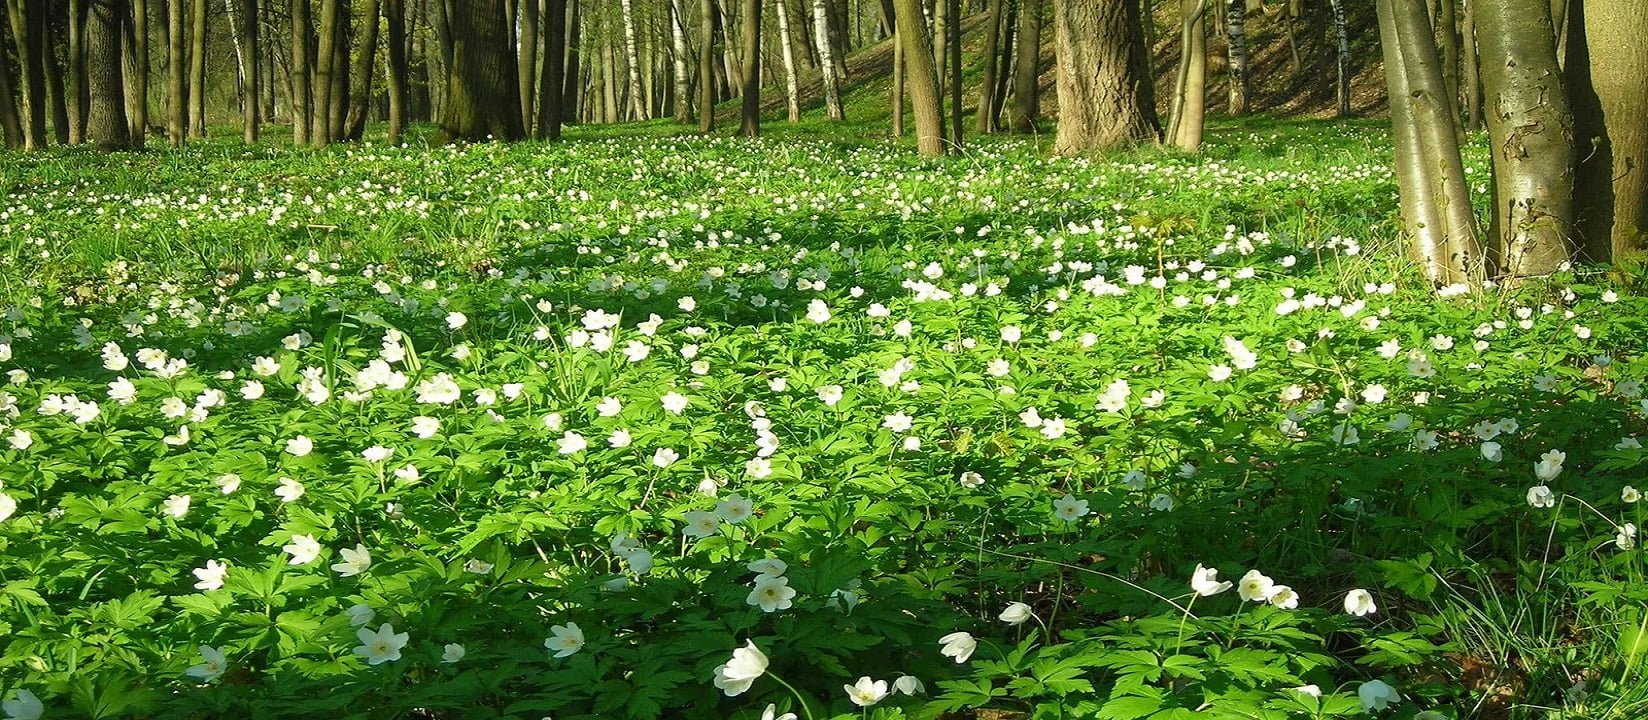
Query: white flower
{"points": [[381, 646], [866, 692], [453, 652], [571, 443], [211, 576], [958, 645], [212, 665], [8, 506], [1011, 334], [1626, 538], [1069, 508], [971, 480], [1255, 586], [735, 676], [565, 639], [1540, 496], [1053, 428], [909, 685], [674, 402], [758, 468], [768, 567], [1359, 602], [23, 706], [300, 446], [1205, 581], [830, 395], [1550, 464], [359, 615], [176, 506], [1016, 613], [355, 561], [289, 490], [664, 457], [377, 453], [1284, 597], [1629, 495], [1376, 696], [303, 549], [1114, 397], [1492, 451], [734, 509], [700, 524], [818, 312], [771, 594], [455, 320], [1219, 373]]}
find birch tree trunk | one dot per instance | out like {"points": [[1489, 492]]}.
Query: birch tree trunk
{"points": [[637, 98], [792, 93], [678, 56], [921, 78], [1607, 77], [1341, 58], [826, 61], [1236, 37]]}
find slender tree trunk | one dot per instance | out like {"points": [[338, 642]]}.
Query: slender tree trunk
{"points": [[177, 93], [1292, 10], [1470, 82], [1236, 36], [574, 76], [320, 116], [246, 49], [610, 108], [106, 123], [79, 103], [921, 78], [1341, 58], [1532, 138], [985, 120], [826, 61], [957, 115], [134, 50], [394, 16], [337, 112], [1421, 215], [792, 93], [11, 124], [55, 91], [28, 25], [550, 103], [941, 45], [1447, 30], [1190, 97], [750, 117], [527, 64], [366, 63], [637, 98], [1607, 77], [197, 68], [485, 103], [1105, 97], [1026, 106], [1004, 66], [898, 81], [679, 60]]}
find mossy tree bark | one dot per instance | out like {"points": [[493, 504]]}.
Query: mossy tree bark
{"points": [[106, 123], [1607, 73], [1026, 106], [1105, 97], [485, 101], [706, 67], [302, 90], [394, 27]]}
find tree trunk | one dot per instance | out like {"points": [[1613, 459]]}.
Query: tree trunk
{"points": [[678, 57], [1105, 98], [637, 98], [246, 50], [826, 61], [11, 125], [1004, 65], [985, 119], [28, 26], [1341, 58], [55, 90], [320, 116], [574, 77], [1026, 106], [1608, 80], [484, 103], [1447, 29], [197, 68], [106, 123], [177, 94], [957, 116], [550, 104], [1236, 36], [394, 25], [526, 64], [1470, 80], [79, 104], [750, 116], [1421, 216], [898, 81], [337, 113], [302, 91], [360, 98], [921, 78], [792, 93], [134, 49], [941, 44], [1532, 138], [1190, 92]]}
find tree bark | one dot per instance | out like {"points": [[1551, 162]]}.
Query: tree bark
{"points": [[485, 102], [1341, 63], [366, 63], [302, 91], [526, 65], [55, 93], [177, 93], [706, 68], [106, 123], [637, 98], [1607, 75], [678, 57], [792, 93], [550, 105], [826, 61], [11, 124], [1105, 98], [1026, 106], [953, 29], [394, 25], [750, 117], [985, 118], [898, 81], [320, 116], [573, 80], [1236, 35], [1190, 92], [197, 68], [134, 49], [1447, 29], [79, 104], [921, 78], [252, 81], [1531, 128], [28, 26], [1004, 66]]}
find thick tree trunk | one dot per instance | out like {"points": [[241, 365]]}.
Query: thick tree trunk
{"points": [[1421, 216], [337, 114], [921, 78], [1026, 106], [985, 118], [197, 68], [1236, 34], [320, 116], [637, 98], [750, 117], [1532, 138], [1448, 246], [28, 26], [1190, 92], [826, 61], [678, 58], [79, 104], [246, 49], [394, 26], [302, 91], [135, 53], [366, 63], [177, 93], [550, 105], [485, 102], [106, 123], [792, 93], [11, 124], [1105, 98], [1607, 77]]}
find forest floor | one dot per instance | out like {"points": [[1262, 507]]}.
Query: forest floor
{"points": [[512, 431]]}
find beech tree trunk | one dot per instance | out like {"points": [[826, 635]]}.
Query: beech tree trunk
{"points": [[573, 71], [320, 116], [1105, 97], [197, 68], [55, 92], [1447, 31], [1236, 36], [527, 63], [251, 76], [485, 103], [921, 78], [302, 91], [28, 26], [1470, 79], [750, 117], [106, 123], [79, 104], [1026, 106], [1531, 128], [551, 105], [177, 93], [1190, 91], [953, 29], [134, 50], [1607, 74], [394, 26], [985, 120], [360, 98], [826, 61], [898, 80]]}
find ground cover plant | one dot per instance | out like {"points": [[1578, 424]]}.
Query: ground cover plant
{"points": [[688, 427]]}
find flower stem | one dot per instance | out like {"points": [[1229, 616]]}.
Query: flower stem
{"points": [[805, 708]]}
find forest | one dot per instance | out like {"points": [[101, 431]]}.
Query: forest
{"points": [[823, 359]]}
